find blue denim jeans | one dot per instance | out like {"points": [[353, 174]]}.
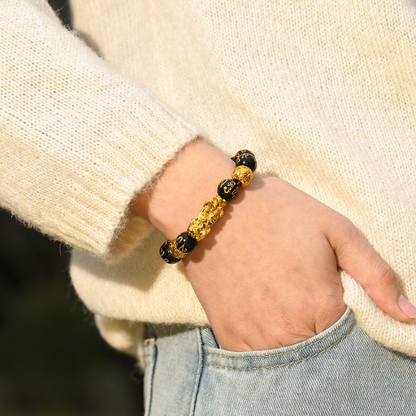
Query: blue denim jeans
{"points": [[341, 371]]}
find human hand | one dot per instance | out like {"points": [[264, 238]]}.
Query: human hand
{"points": [[266, 275]]}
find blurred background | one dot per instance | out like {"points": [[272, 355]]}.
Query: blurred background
{"points": [[53, 362]]}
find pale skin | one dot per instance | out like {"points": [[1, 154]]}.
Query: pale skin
{"points": [[267, 274]]}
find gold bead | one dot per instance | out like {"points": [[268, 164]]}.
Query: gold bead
{"points": [[243, 175], [205, 211], [219, 202], [210, 213], [198, 229]]}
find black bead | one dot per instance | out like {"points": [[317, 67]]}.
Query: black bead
{"points": [[240, 152], [165, 253], [245, 158], [185, 243], [228, 189]]}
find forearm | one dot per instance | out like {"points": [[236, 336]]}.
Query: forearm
{"points": [[182, 188]]}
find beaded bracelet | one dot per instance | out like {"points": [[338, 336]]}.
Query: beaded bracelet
{"points": [[173, 251]]}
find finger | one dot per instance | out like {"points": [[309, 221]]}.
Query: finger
{"points": [[356, 256]]}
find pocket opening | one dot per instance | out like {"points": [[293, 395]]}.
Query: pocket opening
{"points": [[281, 357]]}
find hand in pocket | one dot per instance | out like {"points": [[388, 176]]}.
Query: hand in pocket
{"points": [[267, 275]]}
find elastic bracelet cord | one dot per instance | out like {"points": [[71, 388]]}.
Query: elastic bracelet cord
{"points": [[172, 251]]}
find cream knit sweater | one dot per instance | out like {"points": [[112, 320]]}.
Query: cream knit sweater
{"points": [[322, 91]]}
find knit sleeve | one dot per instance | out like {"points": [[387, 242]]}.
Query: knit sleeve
{"points": [[78, 139]]}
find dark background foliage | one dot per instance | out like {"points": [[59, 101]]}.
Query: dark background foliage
{"points": [[52, 359]]}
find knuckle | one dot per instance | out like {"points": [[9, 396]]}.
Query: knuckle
{"points": [[383, 276], [345, 232], [348, 228], [345, 222]]}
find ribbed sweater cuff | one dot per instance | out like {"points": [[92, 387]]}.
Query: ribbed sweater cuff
{"points": [[78, 138], [99, 220]]}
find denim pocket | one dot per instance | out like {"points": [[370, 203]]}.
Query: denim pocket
{"points": [[279, 357], [150, 353]]}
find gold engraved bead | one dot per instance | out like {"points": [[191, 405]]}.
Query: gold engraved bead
{"points": [[165, 253], [175, 251], [245, 157], [243, 175]]}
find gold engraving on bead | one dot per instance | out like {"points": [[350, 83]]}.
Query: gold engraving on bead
{"points": [[230, 187], [242, 174], [222, 183], [175, 250], [242, 154]]}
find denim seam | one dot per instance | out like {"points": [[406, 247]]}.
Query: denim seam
{"points": [[198, 375], [283, 365], [286, 352], [152, 375]]}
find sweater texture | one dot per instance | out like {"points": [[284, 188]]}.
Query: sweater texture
{"points": [[323, 92]]}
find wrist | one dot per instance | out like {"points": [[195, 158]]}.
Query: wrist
{"points": [[183, 187]]}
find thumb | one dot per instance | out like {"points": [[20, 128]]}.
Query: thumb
{"points": [[355, 255]]}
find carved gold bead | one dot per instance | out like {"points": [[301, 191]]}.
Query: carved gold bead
{"points": [[205, 211], [210, 213], [213, 217], [243, 175], [219, 202], [198, 229]]}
